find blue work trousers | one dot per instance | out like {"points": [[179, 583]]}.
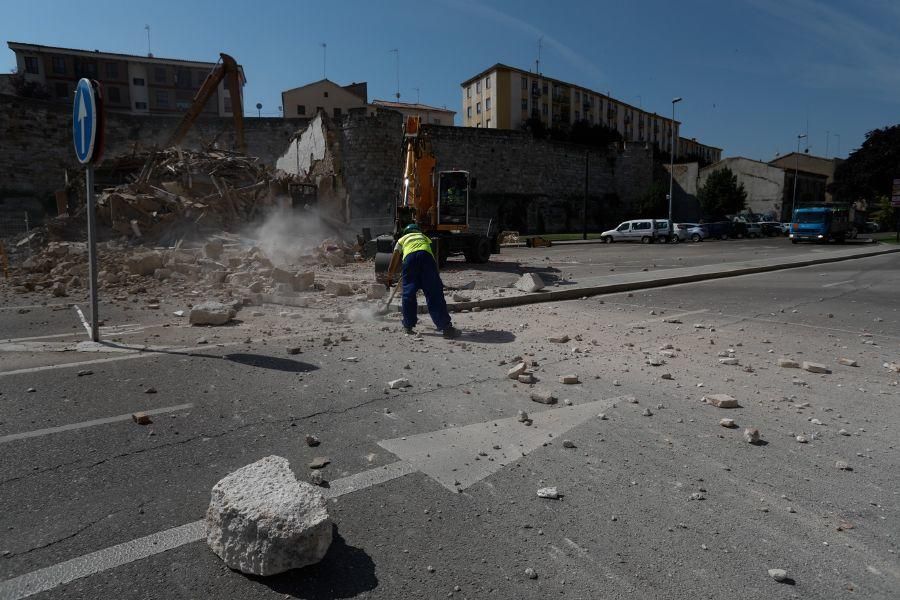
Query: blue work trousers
{"points": [[420, 272]]}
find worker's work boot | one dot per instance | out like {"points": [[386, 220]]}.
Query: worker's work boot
{"points": [[409, 331], [452, 333]]}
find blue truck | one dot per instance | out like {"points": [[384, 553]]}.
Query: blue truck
{"points": [[820, 224]]}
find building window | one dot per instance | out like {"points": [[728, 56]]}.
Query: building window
{"points": [[487, 83], [162, 99], [469, 112], [487, 123], [469, 92], [544, 89], [326, 94], [112, 70], [183, 78], [31, 65], [577, 116], [112, 94], [577, 96], [524, 104], [435, 121], [477, 87], [487, 104], [301, 109], [544, 110], [140, 105], [159, 74], [226, 104], [337, 113], [524, 83], [62, 90], [478, 108], [59, 65], [139, 81]]}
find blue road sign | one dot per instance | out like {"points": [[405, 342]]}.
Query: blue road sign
{"points": [[84, 121]]}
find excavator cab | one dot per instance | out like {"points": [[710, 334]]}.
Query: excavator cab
{"points": [[453, 198]]}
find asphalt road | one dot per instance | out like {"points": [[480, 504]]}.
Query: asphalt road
{"points": [[626, 525]]}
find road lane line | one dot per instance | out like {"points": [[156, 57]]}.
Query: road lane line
{"points": [[836, 283], [127, 417], [84, 322], [56, 575], [66, 305], [96, 562]]}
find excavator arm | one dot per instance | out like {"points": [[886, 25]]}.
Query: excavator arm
{"points": [[226, 69]]}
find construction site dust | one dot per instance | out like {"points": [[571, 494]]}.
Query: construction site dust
{"points": [[290, 236]]}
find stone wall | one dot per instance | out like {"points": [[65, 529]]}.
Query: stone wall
{"points": [[536, 186], [36, 146]]}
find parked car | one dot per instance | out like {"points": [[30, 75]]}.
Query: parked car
{"points": [[637, 230], [785, 228], [771, 228], [754, 230], [720, 229], [662, 230], [689, 231], [872, 227]]}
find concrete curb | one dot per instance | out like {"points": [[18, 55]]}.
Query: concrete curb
{"points": [[660, 280]]}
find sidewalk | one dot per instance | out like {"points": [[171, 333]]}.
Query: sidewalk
{"points": [[610, 284]]}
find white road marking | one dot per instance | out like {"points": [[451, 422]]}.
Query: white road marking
{"points": [[113, 330], [127, 417], [516, 440], [836, 283], [84, 322], [29, 306], [137, 352]]}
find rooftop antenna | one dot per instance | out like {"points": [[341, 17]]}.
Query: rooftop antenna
{"points": [[537, 63], [147, 27], [396, 51], [324, 56], [417, 95]]}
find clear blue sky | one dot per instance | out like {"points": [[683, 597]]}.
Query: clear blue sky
{"points": [[751, 72]]}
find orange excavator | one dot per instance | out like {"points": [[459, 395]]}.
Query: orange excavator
{"points": [[226, 69], [437, 201]]}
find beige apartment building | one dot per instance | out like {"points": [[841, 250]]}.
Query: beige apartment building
{"points": [[131, 83], [427, 114], [692, 149], [324, 95], [504, 97]]}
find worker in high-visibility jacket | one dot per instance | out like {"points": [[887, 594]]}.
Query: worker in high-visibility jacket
{"points": [[420, 272]]}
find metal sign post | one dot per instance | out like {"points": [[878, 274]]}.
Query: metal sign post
{"points": [[87, 135]]}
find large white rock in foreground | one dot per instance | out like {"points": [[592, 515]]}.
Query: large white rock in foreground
{"points": [[211, 313], [262, 521]]}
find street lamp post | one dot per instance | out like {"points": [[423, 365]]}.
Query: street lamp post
{"points": [[672, 166], [796, 174]]}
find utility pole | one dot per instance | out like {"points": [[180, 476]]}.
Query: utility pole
{"points": [[796, 175], [417, 95], [147, 27], [827, 139], [584, 203], [838, 136], [396, 51], [672, 166], [537, 64], [324, 60]]}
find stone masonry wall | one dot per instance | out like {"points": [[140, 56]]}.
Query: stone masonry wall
{"points": [[536, 186], [36, 141]]}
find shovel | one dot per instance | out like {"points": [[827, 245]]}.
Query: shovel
{"points": [[387, 305]]}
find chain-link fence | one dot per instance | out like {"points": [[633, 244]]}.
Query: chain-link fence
{"points": [[13, 224]]}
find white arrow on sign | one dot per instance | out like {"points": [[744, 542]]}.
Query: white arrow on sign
{"points": [[447, 456], [82, 115]]}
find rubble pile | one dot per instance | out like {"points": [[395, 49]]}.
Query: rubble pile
{"points": [[180, 191]]}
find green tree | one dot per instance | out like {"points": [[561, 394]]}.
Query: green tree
{"points": [[868, 171], [883, 213], [653, 203], [722, 194]]}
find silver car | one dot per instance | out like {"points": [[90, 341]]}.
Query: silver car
{"points": [[689, 231]]}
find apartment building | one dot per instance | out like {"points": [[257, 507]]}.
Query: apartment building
{"points": [[427, 114], [809, 163], [504, 97], [691, 149], [324, 95], [131, 83]]}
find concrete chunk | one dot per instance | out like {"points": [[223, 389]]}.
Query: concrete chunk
{"points": [[543, 397], [788, 363], [530, 282], [569, 379], [397, 384], [722, 401], [517, 370], [211, 313], [848, 362], [262, 521], [815, 367], [338, 288]]}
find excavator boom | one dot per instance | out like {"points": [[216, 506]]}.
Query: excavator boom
{"points": [[226, 69]]}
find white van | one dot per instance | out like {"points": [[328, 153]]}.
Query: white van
{"points": [[638, 230]]}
